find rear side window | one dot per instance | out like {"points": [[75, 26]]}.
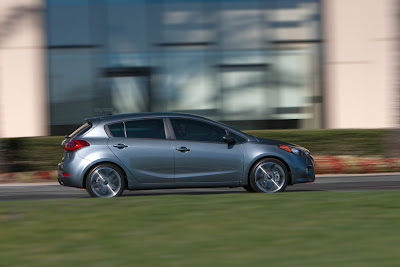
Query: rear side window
{"points": [[81, 130], [117, 129], [150, 128]]}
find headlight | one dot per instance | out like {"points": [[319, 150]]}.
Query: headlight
{"points": [[293, 149]]}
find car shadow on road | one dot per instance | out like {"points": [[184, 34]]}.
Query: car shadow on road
{"points": [[183, 192], [199, 192]]}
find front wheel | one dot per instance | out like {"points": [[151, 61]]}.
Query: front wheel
{"points": [[105, 180], [269, 176]]}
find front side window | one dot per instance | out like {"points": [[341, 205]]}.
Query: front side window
{"points": [[186, 129], [150, 128], [238, 138]]}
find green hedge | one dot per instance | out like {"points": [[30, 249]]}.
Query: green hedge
{"points": [[359, 142], [44, 153], [32, 154]]}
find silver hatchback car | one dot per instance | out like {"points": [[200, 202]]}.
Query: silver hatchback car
{"points": [[171, 150]]}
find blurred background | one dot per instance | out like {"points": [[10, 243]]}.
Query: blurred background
{"points": [[316, 66], [254, 64]]}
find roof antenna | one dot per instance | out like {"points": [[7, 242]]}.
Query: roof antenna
{"points": [[105, 114]]}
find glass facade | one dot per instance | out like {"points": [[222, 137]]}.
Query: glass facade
{"points": [[253, 64]]}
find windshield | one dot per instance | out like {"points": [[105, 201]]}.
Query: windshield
{"points": [[84, 128]]}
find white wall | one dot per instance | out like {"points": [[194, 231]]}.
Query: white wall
{"points": [[23, 93], [360, 55]]}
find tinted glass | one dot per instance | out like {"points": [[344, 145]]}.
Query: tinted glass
{"points": [[152, 128], [238, 138], [81, 130], [117, 129], [186, 129]]}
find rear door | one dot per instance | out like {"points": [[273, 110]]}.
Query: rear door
{"points": [[201, 156], [145, 151]]}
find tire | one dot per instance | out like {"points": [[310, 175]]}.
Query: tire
{"points": [[269, 176], [105, 180]]}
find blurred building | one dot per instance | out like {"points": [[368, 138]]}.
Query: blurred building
{"points": [[255, 64]]}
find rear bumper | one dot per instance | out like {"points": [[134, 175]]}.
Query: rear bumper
{"points": [[71, 180], [60, 181], [75, 167]]}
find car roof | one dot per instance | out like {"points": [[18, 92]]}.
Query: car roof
{"points": [[121, 117], [111, 118]]}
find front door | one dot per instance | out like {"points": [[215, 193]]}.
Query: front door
{"points": [[202, 157]]}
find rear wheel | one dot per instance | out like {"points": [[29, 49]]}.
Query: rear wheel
{"points": [[269, 176], [105, 180]]}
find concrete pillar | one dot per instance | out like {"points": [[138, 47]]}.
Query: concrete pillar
{"points": [[360, 62], [23, 87]]}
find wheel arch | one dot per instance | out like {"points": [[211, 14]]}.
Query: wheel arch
{"points": [[256, 161], [90, 168]]}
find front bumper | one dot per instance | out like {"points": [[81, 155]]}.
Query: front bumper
{"points": [[304, 172]]}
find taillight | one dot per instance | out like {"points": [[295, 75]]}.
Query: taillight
{"points": [[75, 144]]}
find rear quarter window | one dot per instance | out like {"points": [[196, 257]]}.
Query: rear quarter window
{"points": [[116, 129]]}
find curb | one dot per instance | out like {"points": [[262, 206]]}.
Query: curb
{"points": [[343, 175], [29, 184]]}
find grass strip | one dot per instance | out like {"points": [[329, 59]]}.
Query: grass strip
{"points": [[239, 229]]}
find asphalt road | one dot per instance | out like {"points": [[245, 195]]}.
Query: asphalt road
{"points": [[322, 183]]}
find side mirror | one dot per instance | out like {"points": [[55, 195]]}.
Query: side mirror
{"points": [[229, 140]]}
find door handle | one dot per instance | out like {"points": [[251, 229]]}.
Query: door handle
{"points": [[120, 146], [183, 149]]}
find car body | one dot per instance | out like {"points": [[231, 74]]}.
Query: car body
{"points": [[173, 150]]}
